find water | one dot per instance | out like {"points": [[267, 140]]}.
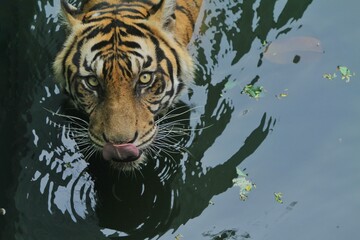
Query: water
{"points": [[304, 145]]}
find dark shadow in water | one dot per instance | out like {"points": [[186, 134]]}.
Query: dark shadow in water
{"points": [[26, 54], [16, 87], [147, 206], [47, 191], [241, 33]]}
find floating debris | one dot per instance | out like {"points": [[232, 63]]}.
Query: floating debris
{"points": [[329, 76], [178, 237], [253, 91], [225, 234], [278, 197], [282, 95], [245, 185], [345, 73], [293, 49], [2, 211], [68, 165]]}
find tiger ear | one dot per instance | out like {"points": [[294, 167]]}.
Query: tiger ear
{"points": [[164, 13], [70, 13]]}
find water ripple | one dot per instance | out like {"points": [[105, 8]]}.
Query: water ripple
{"points": [[68, 186]]}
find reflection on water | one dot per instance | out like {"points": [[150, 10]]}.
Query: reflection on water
{"points": [[162, 197], [74, 194], [56, 189], [229, 29], [293, 50]]}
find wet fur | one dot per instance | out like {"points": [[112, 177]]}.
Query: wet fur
{"points": [[112, 44]]}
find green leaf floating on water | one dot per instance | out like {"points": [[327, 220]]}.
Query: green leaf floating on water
{"points": [[344, 70], [264, 43], [329, 76], [345, 73], [253, 91], [245, 185], [278, 197], [282, 95], [178, 237]]}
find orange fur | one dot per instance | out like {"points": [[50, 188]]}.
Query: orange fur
{"points": [[111, 44]]}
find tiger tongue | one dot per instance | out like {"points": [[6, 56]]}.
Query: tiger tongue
{"points": [[120, 152]]}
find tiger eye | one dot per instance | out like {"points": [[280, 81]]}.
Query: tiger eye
{"points": [[145, 78], [92, 82]]}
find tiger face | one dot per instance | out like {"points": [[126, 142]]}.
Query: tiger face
{"points": [[123, 64]]}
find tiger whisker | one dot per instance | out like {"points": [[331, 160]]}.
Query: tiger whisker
{"points": [[78, 129], [89, 151], [168, 138], [176, 132], [168, 115], [178, 121], [160, 149], [184, 129], [69, 117]]}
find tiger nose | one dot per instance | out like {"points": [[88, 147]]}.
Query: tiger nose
{"points": [[119, 139]]}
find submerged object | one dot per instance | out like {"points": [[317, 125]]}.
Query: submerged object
{"points": [[293, 50]]}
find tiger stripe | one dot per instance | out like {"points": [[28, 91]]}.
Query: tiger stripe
{"points": [[114, 42]]}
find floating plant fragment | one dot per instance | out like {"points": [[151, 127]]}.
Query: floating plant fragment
{"points": [[329, 76], [68, 165], [282, 95], [178, 237], [278, 197], [245, 185], [253, 91], [345, 73], [293, 49]]}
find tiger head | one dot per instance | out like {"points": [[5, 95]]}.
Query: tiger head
{"points": [[123, 64]]}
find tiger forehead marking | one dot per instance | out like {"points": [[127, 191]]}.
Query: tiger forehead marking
{"points": [[123, 63]]}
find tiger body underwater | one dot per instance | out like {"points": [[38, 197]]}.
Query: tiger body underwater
{"points": [[124, 63]]}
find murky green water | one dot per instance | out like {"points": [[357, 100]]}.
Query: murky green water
{"points": [[304, 145]]}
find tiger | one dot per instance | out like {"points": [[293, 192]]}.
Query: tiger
{"points": [[123, 64]]}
